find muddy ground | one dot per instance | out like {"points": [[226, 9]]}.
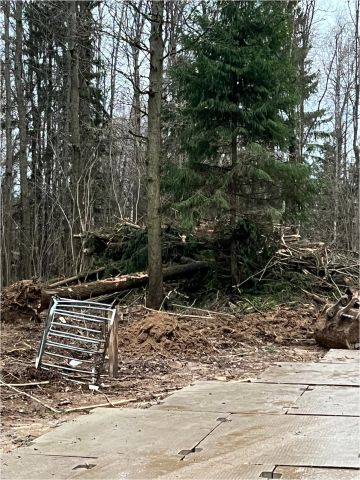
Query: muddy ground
{"points": [[159, 353]]}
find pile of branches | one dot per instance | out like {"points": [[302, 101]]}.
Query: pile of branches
{"points": [[117, 262], [315, 263], [198, 263], [123, 249], [20, 301]]}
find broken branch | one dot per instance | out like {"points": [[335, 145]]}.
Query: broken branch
{"points": [[84, 276], [112, 404], [54, 410], [31, 384]]}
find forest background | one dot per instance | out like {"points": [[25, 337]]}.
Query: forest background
{"points": [[259, 125]]}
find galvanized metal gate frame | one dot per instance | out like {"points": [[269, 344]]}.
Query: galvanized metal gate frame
{"points": [[66, 314]]}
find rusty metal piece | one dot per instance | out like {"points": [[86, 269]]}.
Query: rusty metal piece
{"points": [[75, 338], [338, 324]]}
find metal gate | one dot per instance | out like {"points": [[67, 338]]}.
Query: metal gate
{"points": [[75, 339]]}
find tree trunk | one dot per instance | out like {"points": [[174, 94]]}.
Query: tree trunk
{"points": [[76, 168], [48, 167], [113, 77], [67, 251], [25, 232], [135, 118], [88, 190], [356, 148], [339, 144], [7, 181], [154, 147], [233, 211]]}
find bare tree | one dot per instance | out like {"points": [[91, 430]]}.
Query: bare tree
{"points": [[337, 208], [25, 249], [7, 181], [356, 147]]}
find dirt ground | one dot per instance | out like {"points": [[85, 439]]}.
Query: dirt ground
{"points": [[158, 353]]}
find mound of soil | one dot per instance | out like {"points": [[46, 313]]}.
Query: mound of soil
{"points": [[161, 334], [283, 326], [169, 336]]}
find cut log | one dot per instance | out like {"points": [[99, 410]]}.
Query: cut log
{"points": [[125, 282], [338, 325], [26, 299]]}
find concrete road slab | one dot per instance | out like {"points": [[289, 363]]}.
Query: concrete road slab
{"points": [[325, 400], [234, 397], [304, 473], [312, 374], [105, 467], [125, 434], [215, 471], [128, 430], [149, 466], [283, 440], [25, 466], [193, 435], [157, 468], [341, 356]]}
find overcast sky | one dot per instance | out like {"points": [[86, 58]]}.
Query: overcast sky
{"points": [[328, 11]]}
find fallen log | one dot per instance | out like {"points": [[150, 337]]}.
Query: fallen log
{"points": [[124, 282], [27, 298]]}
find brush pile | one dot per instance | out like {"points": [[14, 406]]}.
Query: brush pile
{"points": [[324, 268], [196, 264]]}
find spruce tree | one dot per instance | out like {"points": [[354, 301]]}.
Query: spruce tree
{"points": [[235, 89]]}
